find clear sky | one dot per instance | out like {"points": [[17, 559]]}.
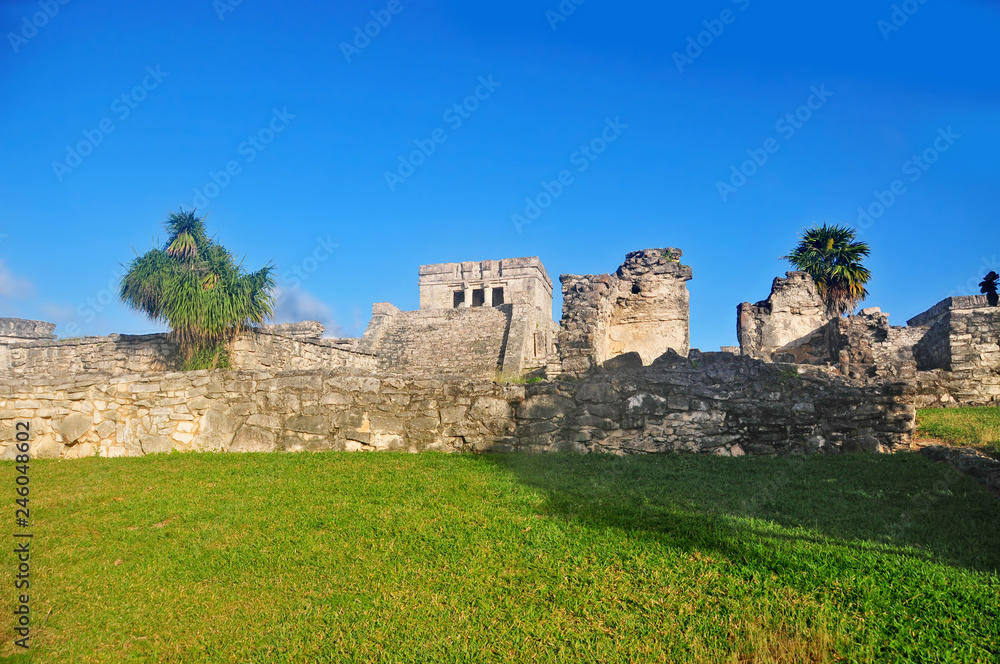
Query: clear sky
{"points": [[115, 113]]}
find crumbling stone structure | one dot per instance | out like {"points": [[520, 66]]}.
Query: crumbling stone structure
{"points": [[958, 356], [427, 379], [643, 309], [713, 404], [951, 351], [15, 330], [475, 319], [781, 328], [278, 347]]}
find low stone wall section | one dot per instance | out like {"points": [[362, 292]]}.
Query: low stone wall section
{"points": [[972, 377], [277, 348], [443, 342], [711, 403]]}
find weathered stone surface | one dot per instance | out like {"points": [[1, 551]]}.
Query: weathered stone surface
{"points": [[73, 427], [489, 408], [785, 321], [544, 407], [155, 444], [313, 425], [642, 309], [254, 439]]}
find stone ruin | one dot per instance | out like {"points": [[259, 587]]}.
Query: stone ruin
{"points": [[951, 351], [642, 310], [616, 375]]}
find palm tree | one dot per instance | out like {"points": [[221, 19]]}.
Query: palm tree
{"points": [[833, 257], [988, 286], [194, 285]]}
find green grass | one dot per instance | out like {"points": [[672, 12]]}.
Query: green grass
{"points": [[434, 558], [971, 427]]}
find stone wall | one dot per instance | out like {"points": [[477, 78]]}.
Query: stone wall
{"points": [[651, 312], [951, 350], [583, 335], [15, 330], [712, 403], [866, 346], [111, 354], [970, 374], [276, 347], [642, 309], [784, 327], [278, 350], [445, 342]]}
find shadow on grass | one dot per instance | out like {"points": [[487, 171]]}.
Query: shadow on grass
{"points": [[901, 504]]}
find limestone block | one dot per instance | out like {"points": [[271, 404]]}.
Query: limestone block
{"points": [[314, 425], [489, 408], [155, 444], [81, 451], [254, 439], [106, 429], [73, 427]]}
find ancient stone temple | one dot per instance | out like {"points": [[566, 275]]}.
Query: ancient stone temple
{"points": [[475, 318], [617, 375]]}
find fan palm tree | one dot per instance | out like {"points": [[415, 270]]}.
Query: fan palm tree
{"points": [[195, 286], [833, 257]]}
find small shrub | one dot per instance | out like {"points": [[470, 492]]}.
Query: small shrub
{"points": [[216, 357]]}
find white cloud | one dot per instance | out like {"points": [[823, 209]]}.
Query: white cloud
{"points": [[13, 287], [295, 306]]}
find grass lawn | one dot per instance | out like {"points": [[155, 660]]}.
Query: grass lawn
{"points": [[434, 558], [970, 427]]}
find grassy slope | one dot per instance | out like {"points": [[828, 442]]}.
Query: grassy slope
{"points": [[412, 558], [971, 427]]}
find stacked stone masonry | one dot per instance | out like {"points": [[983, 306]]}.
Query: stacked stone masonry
{"points": [[279, 348], [951, 351], [801, 381], [713, 403], [642, 309]]}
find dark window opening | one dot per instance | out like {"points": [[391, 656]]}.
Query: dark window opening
{"points": [[497, 297], [478, 297], [635, 288], [459, 298]]}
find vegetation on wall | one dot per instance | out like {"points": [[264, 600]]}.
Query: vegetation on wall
{"points": [[833, 257], [195, 286]]}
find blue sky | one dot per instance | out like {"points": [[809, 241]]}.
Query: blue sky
{"points": [[116, 113]]}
